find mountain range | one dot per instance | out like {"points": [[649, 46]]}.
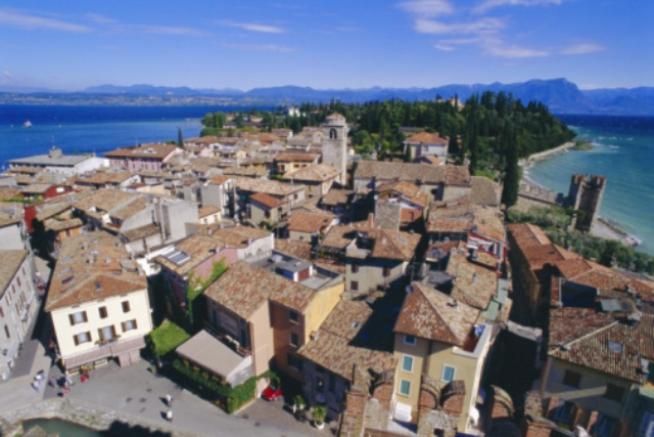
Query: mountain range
{"points": [[561, 95]]}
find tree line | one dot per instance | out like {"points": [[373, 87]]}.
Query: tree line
{"points": [[490, 133]]}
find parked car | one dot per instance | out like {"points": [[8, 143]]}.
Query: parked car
{"points": [[272, 393]]}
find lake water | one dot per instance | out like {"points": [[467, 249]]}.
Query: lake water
{"points": [[98, 129], [623, 152]]}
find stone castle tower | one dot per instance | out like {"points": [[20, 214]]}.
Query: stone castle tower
{"points": [[334, 145], [585, 197]]}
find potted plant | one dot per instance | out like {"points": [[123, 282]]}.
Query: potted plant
{"points": [[319, 414], [298, 404]]}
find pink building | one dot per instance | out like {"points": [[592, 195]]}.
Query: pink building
{"points": [[147, 157]]}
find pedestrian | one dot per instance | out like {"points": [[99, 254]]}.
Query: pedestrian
{"points": [[169, 415], [169, 399]]}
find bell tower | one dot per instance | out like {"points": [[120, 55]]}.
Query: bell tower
{"points": [[334, 145]]}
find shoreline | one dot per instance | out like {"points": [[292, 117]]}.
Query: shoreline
{"points": [[546, 154], [604, 228]]}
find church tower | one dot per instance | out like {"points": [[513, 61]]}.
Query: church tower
{"points": [[334, 144]]}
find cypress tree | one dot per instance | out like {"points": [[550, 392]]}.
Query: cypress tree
{"points": [[512, 171], [180, 138]]}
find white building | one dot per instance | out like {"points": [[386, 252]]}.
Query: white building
{"points": [[18, 305], [98, 302], [56, 162]]}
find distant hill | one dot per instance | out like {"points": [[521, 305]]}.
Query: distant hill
{"points": [[561, 95]]}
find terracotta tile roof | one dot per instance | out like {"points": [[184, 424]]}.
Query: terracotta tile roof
{"points": [[141, 232], [340, 343], [313, 173], [424, 173], [296, 157], [302, 250], [613, 349], [527, 235], [485, 191], [198, 248], [387, 243], [208, 210], [103, 178], [408, 190], [473, 284], [148, 151], [598, 276], [450, 217], [427, 138], [104, 199], [430, 314], [266, 200], [270, 187], [90, 267], [7, 219], [136, 205], [243, 288], [310, 222], [336, 197], [568, 323], [236, 236], [488, 222], [11, 262], [62, 224]]}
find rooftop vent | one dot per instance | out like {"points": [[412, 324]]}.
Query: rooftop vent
{"points": [[615, 346]]}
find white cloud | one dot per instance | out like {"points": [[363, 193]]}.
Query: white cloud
{"points": [[483, 25], [172, 30], [27, 21], [261, 47], [497, 47], [254, 27], [487, 5], [427, 8], [582, 49], [99, 18]]}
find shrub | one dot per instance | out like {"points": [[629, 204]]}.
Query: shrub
{"points": [[228, 398], [166, 338]]}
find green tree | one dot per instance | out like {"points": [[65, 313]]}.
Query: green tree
{"points": [[512, 171], [180, 138]]}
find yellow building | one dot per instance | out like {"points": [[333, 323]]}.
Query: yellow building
{"points": [[441, 346], [269, 308], [98, 303]]}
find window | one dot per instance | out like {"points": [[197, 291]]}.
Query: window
{"points": [[82, 337], [405, 387], [614, 392], [354, 285], [332, 383], [410, 340], [407, 363], [107, 333], [18, 280], [7, 332], [354, 268], [571, 379], [2, 312], [386, 272], [295, 340], [129, 325], [293, 316], [448, 373], [103, 312], [77, 318], [126, 307]]}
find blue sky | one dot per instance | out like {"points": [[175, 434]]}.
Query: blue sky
{"points": [[324, 43]]}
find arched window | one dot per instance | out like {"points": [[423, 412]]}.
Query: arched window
{"points": [[333, 134]]}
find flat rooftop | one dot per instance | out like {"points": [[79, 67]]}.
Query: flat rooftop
{"points": [[279, 262]]}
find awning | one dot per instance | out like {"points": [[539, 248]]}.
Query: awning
{"points": [[211, 354]]}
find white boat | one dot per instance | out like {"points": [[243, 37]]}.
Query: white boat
{"points": [[27, 123]]}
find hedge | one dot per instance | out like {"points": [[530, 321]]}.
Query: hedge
{"points": [[202, 383]]}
